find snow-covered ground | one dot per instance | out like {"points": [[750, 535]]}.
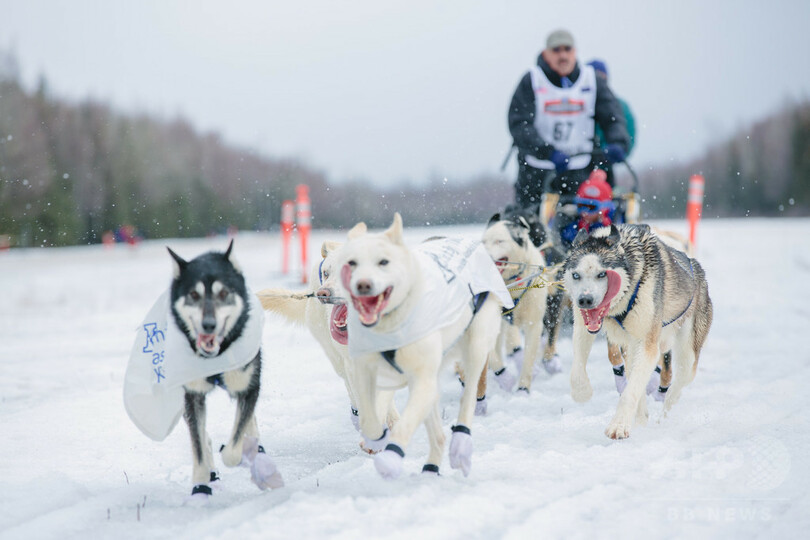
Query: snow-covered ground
{"points": [[729, 461]]}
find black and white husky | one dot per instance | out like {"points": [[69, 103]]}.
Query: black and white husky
{"points": [[650, 298], [205, 332]]}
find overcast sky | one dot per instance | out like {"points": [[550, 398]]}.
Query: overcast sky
{"points": [[388, 91]]}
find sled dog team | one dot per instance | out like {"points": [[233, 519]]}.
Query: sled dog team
{"points": [[390, 316]]}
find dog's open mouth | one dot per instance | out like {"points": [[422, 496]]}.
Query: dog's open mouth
{"points": [[337, 324], [501, 264], [208, 344], [594, 318], [369, 308]]}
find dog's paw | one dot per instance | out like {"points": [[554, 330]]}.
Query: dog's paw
{"points": [[461, 449], [389, 462], [200, 496], [581, 389], [429, 469], [505, 379], [552, 365], [374, 446], [660, 394], [618, 430], [264, 473], [655, 380], [232, 454], [481, 406]]}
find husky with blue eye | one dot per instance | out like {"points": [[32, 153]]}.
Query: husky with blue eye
{"points": [[650, 298], [211, 306]]}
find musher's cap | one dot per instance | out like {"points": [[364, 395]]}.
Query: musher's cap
{"points": [[559, 38]]}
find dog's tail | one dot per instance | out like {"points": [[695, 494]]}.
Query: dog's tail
{"points": [[286, 303], [704, 312]]}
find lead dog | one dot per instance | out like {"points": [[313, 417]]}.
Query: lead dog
{"points": [[325, 318], [203, 333], [650, 298], [408, 307]]}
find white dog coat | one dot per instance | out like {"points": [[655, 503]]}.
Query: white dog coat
{"points": [[454, 270], [162, 361]]}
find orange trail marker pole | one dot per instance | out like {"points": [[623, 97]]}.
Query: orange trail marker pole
{"points": [[303, 220], [287, 217], [694, 205]]}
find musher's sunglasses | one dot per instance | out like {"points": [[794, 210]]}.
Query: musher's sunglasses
{"points": [[562, 48]]}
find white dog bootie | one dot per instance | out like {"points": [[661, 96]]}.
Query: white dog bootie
{"points": [[516, 357], [661, 394], [461, 449], [389, 462], [355, 417], [505, 379], [655, 380], [481, 406], [619, 378], [264, 473], [377, 445], [553, 365]]}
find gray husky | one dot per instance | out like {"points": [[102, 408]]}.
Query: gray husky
{"points": [[210, 305], [650, 298]]}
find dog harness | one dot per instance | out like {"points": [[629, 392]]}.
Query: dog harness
{"points": [[620, 318], [454, 272], [476, 303], [162, 361]]}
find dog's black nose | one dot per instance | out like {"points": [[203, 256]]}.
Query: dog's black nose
{"points": [[585, 301], [363, 287]]}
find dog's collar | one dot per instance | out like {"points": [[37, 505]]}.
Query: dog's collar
{"points": [[620, 318]]}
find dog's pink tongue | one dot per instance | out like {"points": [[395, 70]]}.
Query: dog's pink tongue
{"points": [[206, 342], [337, 324], [593, 317]]}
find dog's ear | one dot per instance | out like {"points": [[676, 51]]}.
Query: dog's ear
{"points": [[614, 237], [179, 263], [358, 230], [581, 236], [394, 232], [328, 247], [496, 217], [523, 223]]}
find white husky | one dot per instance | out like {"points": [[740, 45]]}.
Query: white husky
{"points": [[521, 264], [325, 318], [408, 307]]}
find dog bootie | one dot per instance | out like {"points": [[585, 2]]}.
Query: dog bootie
{"points": [[505, 379], [516, 357], [655, 380], [389, 462], [264, 473], [355, 417], [619, 378], [461, 449], [374, 446], [661, 393], [481, 406], [553, 365]]}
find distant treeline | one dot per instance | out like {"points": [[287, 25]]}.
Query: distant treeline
{"points": [[763, 170], [71, 172]]}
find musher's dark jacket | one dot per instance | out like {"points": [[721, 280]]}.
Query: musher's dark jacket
{"points": [[609, 114]]}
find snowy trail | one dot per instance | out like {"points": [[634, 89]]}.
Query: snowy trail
{"points": [[729, 461]]}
